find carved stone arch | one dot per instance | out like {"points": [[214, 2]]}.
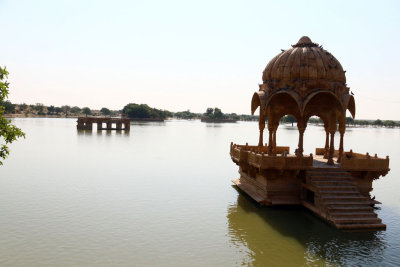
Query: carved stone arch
{"points": [[351, 106], [337, 103], [285, 101], [258, 100]]}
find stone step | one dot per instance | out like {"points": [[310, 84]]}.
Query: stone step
{"points": [[358, 197], [324, 188], [353, 214], [340, 193], [330, 182], [359, 208], [337, 174], [356, 203], [331, 177], [356, 220], [355, 226], [328, 171]]}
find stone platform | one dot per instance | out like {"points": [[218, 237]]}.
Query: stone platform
{"points": [[338, 193]]}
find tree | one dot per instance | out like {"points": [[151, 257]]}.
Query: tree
{"points": [[9, 107], [389, 123], [75, 110], [378, 122], [209, 113], [8, 132], [349, 120], [66, 109], [51, 109], [86, 111], [105, 111], [218, 113], [23, 106], [58, 110], [143, 111], [39, 107]]}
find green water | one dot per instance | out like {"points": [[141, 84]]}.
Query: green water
{"points": [[161, 195]]}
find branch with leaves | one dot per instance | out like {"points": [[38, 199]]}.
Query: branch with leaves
{"points": [[8, 132]]}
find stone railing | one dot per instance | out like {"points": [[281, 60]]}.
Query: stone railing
{"points": [[260, 159], [352, 161], [364, 162]]}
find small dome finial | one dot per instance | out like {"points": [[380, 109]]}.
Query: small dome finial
{"points": [[305, 41]]}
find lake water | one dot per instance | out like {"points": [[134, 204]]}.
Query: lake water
{"points": [[161, 195]]}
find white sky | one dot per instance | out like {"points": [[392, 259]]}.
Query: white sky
{"points": [[180, 55]]}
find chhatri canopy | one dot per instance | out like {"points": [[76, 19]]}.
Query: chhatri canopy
{"points": [[304, 81]]}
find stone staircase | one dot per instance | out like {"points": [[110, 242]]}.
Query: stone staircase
{"points": [[337, 198]]}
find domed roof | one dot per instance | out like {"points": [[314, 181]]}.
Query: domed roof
{"points": [[306, 64]]}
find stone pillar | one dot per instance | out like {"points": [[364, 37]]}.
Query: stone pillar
{"points": [[261, 127], [342, 129], [341, 147], [127, 125], [301, 127], [331, 148], [326, 150], [274, 137], [119, 125], [88, 126], [109, 125], [99, 125], [270, 142], [80, 126]]}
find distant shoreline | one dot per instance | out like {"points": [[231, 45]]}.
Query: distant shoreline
{"points": [[218, 120], [32, 116]]}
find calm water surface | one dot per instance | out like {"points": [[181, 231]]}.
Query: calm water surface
{"points": [[161, 195]]}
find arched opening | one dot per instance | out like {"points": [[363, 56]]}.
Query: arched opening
{"points": [[277, 106], [328, 107]]}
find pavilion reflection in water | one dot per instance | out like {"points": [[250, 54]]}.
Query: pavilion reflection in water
{"points": [[306, 81], [295, 233]]}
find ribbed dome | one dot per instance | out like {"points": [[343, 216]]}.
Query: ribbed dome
{"points": [[305, 63]]}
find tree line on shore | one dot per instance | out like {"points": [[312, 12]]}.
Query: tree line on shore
{"points": [[132, 110], [349, 122], [143, 111]]}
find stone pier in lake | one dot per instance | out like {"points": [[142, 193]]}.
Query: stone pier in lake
{"points": [[103, 123]]}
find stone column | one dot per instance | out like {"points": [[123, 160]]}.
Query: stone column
{"points": [[261, 127], [80, 125], [274, 137], [326, 150], [99, 125], [331, 148], [119, 125], [127, 125], [109, 125], [301, 127], [270, 142], [88, 125]]}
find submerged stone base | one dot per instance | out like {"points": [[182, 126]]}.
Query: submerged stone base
{"points": [[339, 196]]}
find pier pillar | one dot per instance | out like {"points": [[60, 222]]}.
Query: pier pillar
{"points": [[99, 125], [109, 126], [127, 125], [80, 126], [88, 126], [119, 126]]}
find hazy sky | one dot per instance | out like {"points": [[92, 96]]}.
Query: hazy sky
{"points": [[180, 55]]}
